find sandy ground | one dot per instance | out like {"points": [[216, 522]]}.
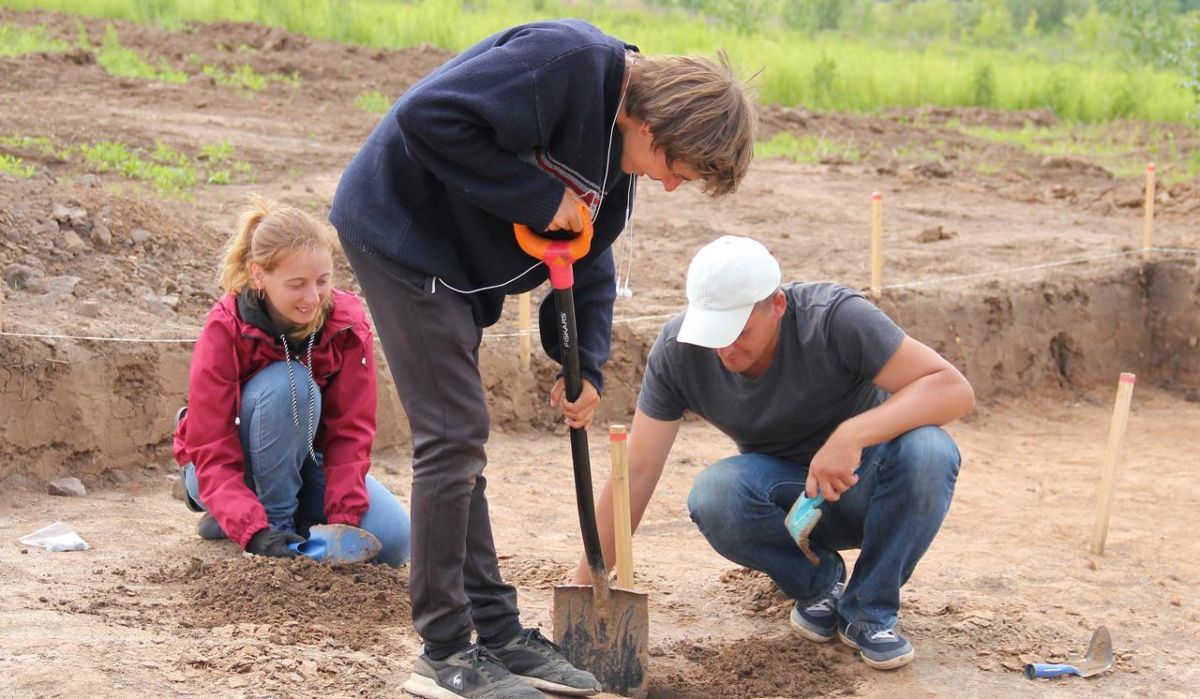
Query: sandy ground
{"points": [[153, 611]]}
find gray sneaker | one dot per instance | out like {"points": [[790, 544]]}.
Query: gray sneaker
{"points": [[473, 673], [535, 659]]}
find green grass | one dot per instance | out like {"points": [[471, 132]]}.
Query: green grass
{"points": [[18, 41], [373, 102], [122, 62], [14, 166], [1121, 147], [244, 78], [809, 149], [166, 170], [39, 143], [824, 71]]}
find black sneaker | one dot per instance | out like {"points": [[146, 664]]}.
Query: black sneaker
{"points": [[535, 659], [208, 528], [473, 673]]}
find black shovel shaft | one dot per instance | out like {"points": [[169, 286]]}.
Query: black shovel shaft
{"points": [[568, 340]]}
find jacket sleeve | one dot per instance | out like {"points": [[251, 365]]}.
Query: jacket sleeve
{"points": [[348, 426], [594, 291], [211, 438], [469, 124]]}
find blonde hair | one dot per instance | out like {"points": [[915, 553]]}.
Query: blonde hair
{"points": [[699, 113], [266, 233]]}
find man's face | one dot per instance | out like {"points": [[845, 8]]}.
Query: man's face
{"points": [[751, 353], [640, 157]]}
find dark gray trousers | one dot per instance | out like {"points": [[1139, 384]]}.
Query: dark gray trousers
{"points": [[432, 347]]}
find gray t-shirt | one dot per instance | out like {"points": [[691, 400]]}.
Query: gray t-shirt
{"points": [[832, 345]]}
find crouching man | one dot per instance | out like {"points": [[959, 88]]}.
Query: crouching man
{"points": [[822, 393]]}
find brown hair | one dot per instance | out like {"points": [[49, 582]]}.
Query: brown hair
{"points": [[266, 233], [699, 113]]}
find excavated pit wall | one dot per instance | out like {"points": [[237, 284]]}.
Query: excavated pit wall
{"points": [[86, 408]]}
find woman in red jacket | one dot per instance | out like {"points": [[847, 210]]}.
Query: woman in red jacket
{"points": [[277, 434]]}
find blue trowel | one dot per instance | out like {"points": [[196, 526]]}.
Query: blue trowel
{"points": [[338, 544], [801, 520]]}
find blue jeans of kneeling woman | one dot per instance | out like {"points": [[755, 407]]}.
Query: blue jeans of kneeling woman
{"points": [[892, 515], [279, 469]]}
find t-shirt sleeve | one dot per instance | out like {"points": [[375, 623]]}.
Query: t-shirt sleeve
{"points": [[863, 337], [660, 397]]}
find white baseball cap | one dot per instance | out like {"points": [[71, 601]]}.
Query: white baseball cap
{"points": [[726, 278]]}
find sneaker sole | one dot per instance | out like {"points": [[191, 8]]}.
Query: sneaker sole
{"points": [[889, 664], [422, 686], [808, 633], [548, 686]]}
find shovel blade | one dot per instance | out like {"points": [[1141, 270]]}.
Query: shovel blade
{"points": [[608, 637]]}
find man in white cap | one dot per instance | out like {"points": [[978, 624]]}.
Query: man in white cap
{"points": [[821, 392]]}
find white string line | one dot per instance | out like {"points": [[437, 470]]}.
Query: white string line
{"points": [[664, 316], [1013, 270]]}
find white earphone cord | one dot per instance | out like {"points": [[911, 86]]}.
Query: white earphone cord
{"points": [[627, 246]]}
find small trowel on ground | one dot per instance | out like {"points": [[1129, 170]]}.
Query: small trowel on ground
{"points": [[340, 544], [1099, 659], [596, 627]]}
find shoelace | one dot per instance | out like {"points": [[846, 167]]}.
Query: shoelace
{"points": [[312, 427], [827, 604], [884, 635], [485, 663], [533, 635]]}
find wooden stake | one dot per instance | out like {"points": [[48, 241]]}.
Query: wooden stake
{"points": [[1116, 438], [1148, 212], [622, 522], [524, 321], [876, 245]]}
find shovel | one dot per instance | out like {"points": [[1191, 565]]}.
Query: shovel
{"points": [[1099, 658], [596, 627]]}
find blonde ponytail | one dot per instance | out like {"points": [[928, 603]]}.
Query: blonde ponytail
{"points": [[266, 232]]}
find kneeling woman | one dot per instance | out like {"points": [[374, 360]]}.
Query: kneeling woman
{"points": [[277, 434]]}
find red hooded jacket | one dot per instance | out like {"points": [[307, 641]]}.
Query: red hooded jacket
{"points": [[228, 353]]}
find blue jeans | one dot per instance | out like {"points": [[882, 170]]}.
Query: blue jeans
{"points": [[289, 484], [891, 514]]}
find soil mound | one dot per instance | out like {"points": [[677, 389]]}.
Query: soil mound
{"points": [[295, 601], [752, 667]]}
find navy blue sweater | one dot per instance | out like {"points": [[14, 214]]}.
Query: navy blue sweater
{"points": [[488, 139]]}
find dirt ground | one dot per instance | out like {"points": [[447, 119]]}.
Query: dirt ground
{"points": [[152, 610]]}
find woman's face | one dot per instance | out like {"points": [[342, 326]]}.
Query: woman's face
{"points": [[298, 286]]}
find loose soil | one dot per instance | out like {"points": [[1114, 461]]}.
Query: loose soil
{"points": [[151, 610]]}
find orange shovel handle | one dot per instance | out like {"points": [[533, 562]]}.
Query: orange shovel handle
{"points": [[558, 255]]}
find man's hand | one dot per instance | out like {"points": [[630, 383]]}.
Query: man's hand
{"points": [[578, 413], [832, 469], [567, 217], [268, 542]]}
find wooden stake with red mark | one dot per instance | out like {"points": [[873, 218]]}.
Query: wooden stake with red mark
{"points": [[524, 322], [622, 522], [1148, 213], [876, 245]]}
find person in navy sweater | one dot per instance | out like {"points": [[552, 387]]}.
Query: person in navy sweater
{"points": [[519, 128]]}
